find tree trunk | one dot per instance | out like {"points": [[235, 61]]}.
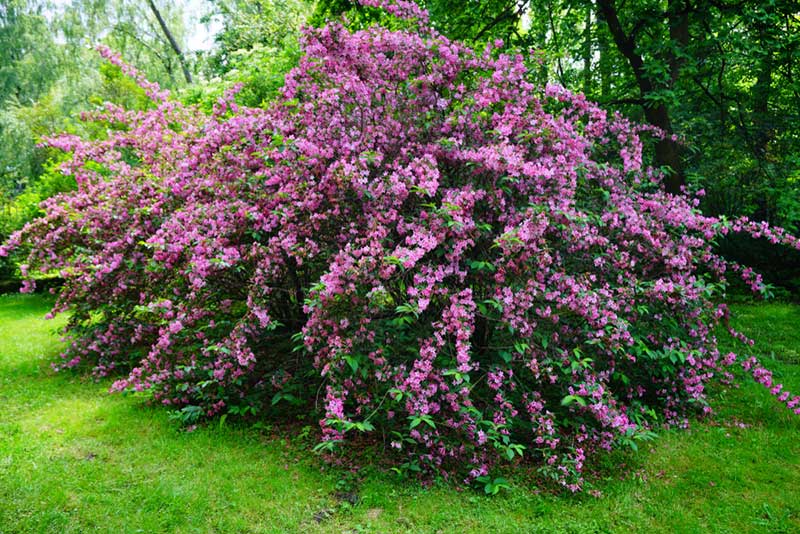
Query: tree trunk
{"points": [[763, 132], [587, 53], [604, 62], [668, 151], [172, 42]]}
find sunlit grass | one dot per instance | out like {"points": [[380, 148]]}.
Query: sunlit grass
{"points": [[75, 459]]}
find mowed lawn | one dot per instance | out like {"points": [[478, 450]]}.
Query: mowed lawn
{"points": [[75, 459]]}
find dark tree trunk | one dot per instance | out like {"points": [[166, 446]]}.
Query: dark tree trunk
{"points": [[761, 92], [668, 152], [763, 131], [604, 62], [172, 42], [587, 53]]}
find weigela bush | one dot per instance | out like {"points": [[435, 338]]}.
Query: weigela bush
{"points": [[439, 252]]}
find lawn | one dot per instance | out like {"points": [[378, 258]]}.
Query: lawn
{"points": [[75, 459]]}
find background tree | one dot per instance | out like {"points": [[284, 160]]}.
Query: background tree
{"points": [[256, 46], [48, 70], [29, 64], [719, 75], [49, 73]]}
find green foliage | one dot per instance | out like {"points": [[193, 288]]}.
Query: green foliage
{"points": [[257, 46], [264, 24], [16, 212], [28, 55], [260, 70], [492, 486], [356, 15], [21, 128], [30, 61], [117, 88], [130, 28], [48, 75]]}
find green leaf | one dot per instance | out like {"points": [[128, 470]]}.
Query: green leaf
{"points": [[352, 361], [569, 399]]}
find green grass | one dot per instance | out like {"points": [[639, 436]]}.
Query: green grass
{"points": [[75, 459]]}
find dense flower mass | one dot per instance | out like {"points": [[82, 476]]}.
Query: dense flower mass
{"points": [[479, 269]]}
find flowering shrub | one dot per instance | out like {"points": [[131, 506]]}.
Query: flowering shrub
{"points": [[480, 269]]}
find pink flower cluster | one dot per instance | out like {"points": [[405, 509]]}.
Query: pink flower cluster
{"points": [[482, 268]]}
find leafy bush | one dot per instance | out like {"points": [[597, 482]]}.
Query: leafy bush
{"points": [[16, 212], [768, 191], [259, 69], [477, 268]]}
